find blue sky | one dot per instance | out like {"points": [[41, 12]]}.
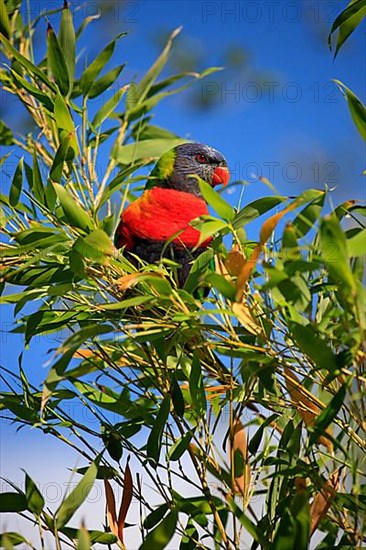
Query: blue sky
{"points": [[299, 136]]}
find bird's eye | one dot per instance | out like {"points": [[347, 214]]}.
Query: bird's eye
{"points": [[201, 158]]}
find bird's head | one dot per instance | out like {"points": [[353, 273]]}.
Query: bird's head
{"points": [[177, 168]]}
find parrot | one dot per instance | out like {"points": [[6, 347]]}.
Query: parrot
{"points": [[157, 224]]}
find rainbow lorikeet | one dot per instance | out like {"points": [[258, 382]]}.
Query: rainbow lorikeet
{"points": [[157, 223]]}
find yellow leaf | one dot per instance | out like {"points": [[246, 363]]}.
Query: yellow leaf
{"points": [[244, 315]]}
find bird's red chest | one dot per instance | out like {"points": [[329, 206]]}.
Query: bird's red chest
{"points": [[163, 214]]}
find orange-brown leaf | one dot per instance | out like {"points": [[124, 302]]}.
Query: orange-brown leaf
{"points": [[84, 353], [235, 261], [111, 508], [300, 484], [127, 281], [323, 500], [245, 272], [304, 402], [239, 444], [126, 500], [269, 225]]}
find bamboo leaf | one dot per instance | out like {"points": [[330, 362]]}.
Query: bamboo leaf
{"points": [[71, 503], [215, 200], [105, 82], [346, 23], [334, 253], [28, 65], [92, 71], [255, 209], [111, 507], [83, 538], [161, 535], [107, 109], [323, 500], [56, 62], [177, 397], [35, 500], [67, 40], [57, 167], [196, 387], [240, 467], [180, 446], [126, 500], [64, 121], [356, 108], [4, 20], [148, 148], [13, 502], [154, 441], [75, 215], [16, 184], [152, 74]]}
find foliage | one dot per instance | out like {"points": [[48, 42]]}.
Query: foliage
{"points": [[255, 394]]}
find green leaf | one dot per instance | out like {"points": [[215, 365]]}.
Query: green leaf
{"points": [[255, 209], [306, 219], [67, 40], [13, 502], [256, 439], [97, 246], [16, 184], [222, 285], [37, 184], [177, 397], [105, 82], [159, 538], [84, 542], [333, 249], [356, 245], [57, 167], [64, 121], [190, 537], [154, 441], [328, 414], [28, 65], [144, 86], [314, 346], [71, 503], [346, 22], [196, 387], [90, 74], [74, 214], [6, 135], [148, 148], [155, 516], [10, 539], [292, 533], [356, 108], [4, 20], [215, 200], [107, 109], [35, 500], [56, 62], [180, 446], [22, 83]]}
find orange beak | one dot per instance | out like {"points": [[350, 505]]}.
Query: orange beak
{"points": [[221, 175]]}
